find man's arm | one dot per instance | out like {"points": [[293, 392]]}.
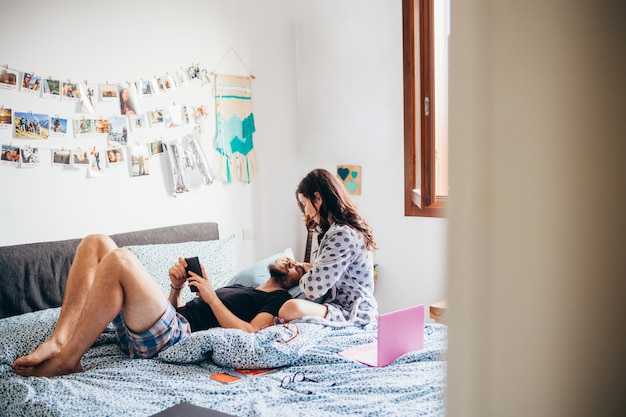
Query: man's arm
{"points": [[178, 279]]}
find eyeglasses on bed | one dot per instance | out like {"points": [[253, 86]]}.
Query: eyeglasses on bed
{"points": [[299, 376]]}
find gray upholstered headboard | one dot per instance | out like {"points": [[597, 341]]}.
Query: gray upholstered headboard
{"points": [[33, 275]]}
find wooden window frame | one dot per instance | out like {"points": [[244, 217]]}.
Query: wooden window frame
{"points": [[425, 203]]}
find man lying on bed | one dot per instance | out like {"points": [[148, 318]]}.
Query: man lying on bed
{"points": [[109, 284]]}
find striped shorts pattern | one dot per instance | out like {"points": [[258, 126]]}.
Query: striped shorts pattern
{"points": [[168, 330]]}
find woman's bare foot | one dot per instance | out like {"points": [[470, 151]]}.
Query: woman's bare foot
{"points": [[55, 366], [44, 352]]}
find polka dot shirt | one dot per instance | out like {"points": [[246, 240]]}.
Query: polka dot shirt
{"points": [[343, 269]]}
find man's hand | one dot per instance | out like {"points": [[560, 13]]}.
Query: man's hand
{"points": [[178, 273], [203, 283]]}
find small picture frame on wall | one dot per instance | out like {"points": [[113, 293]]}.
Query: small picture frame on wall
{"points": [[108, 92], [350, 175], [83, 128]]}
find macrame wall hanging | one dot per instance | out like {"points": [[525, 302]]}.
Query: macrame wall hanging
{"points": [[235, 156]]}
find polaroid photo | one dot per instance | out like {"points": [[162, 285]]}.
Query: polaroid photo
{"points": [[156, 117], [58, 127], [30, 156], [10, 155], [161, 83], [6, 118], [129, 102], [80, 158], [101, 127], [83, 128], [51, 89], [69, 91], [8, 79], [87, 94], [181, 77], [138, 121], [61, 157], [115, 156], [118, 130], [154, 86], [95, 164], [173, 116], [193, 72], [144, 88], [155, 147], [170, 83], [184, 112], [140, 161], [31, 125], [108, 92], [31, 83]]}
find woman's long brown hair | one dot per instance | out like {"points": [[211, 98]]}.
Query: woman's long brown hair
{"points": [[335, 201]]}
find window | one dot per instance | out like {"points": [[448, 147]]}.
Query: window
{"points": [[425, 51]]}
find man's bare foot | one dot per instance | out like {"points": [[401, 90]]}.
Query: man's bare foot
{"points": [[44, 352], [55, 366]]}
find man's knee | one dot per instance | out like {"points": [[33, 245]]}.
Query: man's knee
{"points": [[100, 243]]}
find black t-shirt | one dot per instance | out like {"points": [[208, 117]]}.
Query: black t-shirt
{"points": [[243, 302]]}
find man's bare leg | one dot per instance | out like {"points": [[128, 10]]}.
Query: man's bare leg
{"points": [[89, 253], [120, 282]]}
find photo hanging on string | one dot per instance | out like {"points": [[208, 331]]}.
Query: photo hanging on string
{"points": [[129, 103], [83, 128], [101, 127], [80, 158], [31, 125], [69, 92], [6, 118], [118, 130], [61, 157], [138, 121], [51, 89], [30, 156], [140, 161], [115, 156], [8, 79], [87, 98], [10, 155], [59, 127], [31, 83], [108, 92]]}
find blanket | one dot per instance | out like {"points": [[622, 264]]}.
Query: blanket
{"points": [[414, 385]]}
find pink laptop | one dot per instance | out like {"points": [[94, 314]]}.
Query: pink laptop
{"points": [[399, 332]]}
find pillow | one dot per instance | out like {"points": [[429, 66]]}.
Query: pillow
{"points": [[258, 273], [217, 256], [271, 347]]}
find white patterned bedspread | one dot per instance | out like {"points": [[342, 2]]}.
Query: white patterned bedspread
{"points": [[114, 385]]}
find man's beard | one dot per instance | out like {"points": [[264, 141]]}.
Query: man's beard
{"points": [[279, 276]]}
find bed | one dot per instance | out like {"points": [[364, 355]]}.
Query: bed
{"points": [[114, 385]]}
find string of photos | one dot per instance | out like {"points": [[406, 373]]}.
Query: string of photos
{"points": [[231, 96]]}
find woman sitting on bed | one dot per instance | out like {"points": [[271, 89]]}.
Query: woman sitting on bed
{"points": [[342, 275], [109, 284]]}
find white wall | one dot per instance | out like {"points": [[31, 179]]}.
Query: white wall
{"points": [[537, 235], [350, 112], [120, 41], [328, 91]]}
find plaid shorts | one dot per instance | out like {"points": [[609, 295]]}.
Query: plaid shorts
{"points": [[168, 330]]}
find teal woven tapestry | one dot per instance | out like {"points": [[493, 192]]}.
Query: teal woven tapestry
{"points": [[235, 157]]}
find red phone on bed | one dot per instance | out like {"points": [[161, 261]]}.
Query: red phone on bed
{"points": [[193, 265]]}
